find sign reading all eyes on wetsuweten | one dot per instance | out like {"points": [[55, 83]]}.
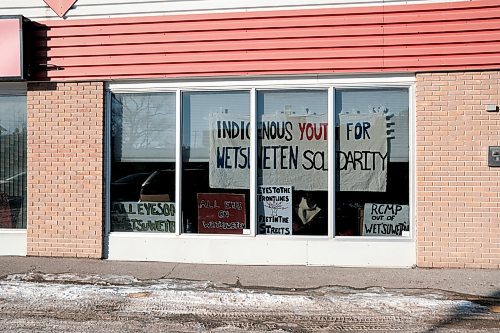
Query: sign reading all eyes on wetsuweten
{"points": [[362, 157], [143, 216], [221, 213], [291, 150]]}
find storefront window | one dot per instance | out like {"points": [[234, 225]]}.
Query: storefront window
{"points": [[216, 162], [143, 162], [371, 175], [372, 157], [13, 161], [292, 170]]}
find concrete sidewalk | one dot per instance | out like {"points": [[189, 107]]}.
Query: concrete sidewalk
{"points": [[465, 281]]}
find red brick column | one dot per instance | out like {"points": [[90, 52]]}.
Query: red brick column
{"points": [[458, 195], [65, 169]]}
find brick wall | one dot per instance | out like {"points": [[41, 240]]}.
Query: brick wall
{"points": [[458, 195], [65, 169]]}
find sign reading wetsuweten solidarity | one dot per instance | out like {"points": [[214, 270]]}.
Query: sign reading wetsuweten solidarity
{"points": [[292, 150]]}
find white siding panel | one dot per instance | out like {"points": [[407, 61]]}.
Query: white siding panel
{"points": [[33, 9], [38, 10]]}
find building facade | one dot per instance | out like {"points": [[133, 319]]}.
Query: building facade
{"points": [[299, 133]]}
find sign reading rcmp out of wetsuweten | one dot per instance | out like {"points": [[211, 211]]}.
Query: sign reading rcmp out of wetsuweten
{"points": [[386, 220]]}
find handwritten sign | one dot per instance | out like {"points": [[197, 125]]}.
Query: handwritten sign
{"points": [[274, 205], [221, 213], [363, 156], [292, 149], [386, 220], [143, 216]]}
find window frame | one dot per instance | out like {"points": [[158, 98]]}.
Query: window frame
{"points": [[329, 84]]}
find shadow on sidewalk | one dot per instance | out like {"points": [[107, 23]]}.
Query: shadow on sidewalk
{"points": [[465, 314]]}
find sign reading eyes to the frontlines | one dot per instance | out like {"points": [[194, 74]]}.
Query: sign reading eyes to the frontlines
{"points": [[274, 210], [363, 156], [291, 150]]}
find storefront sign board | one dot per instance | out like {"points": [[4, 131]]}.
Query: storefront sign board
{"points": [[11, 66]]}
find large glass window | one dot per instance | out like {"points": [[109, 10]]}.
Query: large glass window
{"points": [[216, 162], [13, 161], [370, 176], [143, 162], [372, 171], [292, 169]]}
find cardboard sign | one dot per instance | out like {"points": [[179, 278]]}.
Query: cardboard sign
{"points": [[221, 213], [143, 216], [386, 220], [274, 205], [363, 156], [291, 150]]}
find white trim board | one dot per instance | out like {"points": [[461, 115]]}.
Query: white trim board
{"points": [[285, 82], [263, 250], [13, 242]]}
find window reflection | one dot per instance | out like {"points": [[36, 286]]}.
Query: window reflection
{"points": [[372, 171], [292, 165], [143, 163], [13, 139]]}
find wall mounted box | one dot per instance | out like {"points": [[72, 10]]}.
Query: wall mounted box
{"points": [[494, 156]]}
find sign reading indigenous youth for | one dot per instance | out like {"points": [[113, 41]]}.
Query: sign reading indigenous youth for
{"points": [[221, 213], [274, 205], [292, 149], [363, 156], [143, 216], [386, 220]]}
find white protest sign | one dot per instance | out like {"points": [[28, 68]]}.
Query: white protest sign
{"points": [[386, 220], [143, 216], [291, 150], [362, 155], [274, 205]]}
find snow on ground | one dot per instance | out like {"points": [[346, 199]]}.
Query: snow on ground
{"points": [[172, 296]]}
